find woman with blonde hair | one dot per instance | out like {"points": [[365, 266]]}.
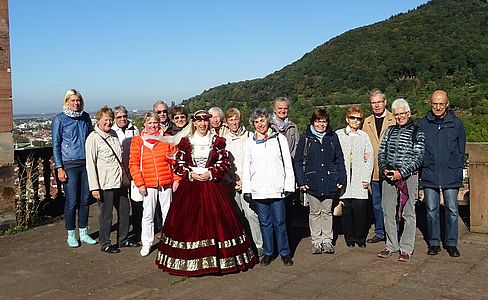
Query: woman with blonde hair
{"points": [[151, 171], [69, 132]]}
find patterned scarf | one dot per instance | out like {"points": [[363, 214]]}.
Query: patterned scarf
{"points": [[261, 138], [281, 125], [72, 114], [148, 139]]}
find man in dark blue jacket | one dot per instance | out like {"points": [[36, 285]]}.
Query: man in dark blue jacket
{"points": [[442, 170]]}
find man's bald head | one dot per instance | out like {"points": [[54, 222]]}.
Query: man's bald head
{"points": [[439, 102]]}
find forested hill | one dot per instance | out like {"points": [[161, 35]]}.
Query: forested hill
{"points": [[441, 44]]}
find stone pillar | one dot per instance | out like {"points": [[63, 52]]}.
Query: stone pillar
{"points": [[7, 188], [478, 186]]}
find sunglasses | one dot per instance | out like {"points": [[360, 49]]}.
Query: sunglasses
{"points": [[181, 117], [164, 111], [121, 117], [352, 118]]}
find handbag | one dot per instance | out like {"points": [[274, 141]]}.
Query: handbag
{"points": [[337, 212], [126, 179]]}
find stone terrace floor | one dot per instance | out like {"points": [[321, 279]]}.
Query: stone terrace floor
{"points": [[38, 264]]}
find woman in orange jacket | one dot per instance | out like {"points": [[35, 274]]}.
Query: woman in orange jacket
{"points": [[151, 171]]}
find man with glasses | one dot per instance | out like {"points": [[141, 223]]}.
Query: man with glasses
{"points": [[375, 126], [165, 124], [400, 156], [161, 109], [442, 171], [125, 131]]}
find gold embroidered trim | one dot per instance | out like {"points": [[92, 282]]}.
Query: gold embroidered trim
{"points": [[203, 243], [192, 265]]}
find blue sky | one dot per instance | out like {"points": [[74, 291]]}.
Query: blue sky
{"points": [[120, 52]]}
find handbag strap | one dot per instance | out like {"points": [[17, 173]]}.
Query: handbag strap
{"points": [[113, 151]]}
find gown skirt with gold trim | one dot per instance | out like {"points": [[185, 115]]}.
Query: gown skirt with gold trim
{"points": [[202, 233]]}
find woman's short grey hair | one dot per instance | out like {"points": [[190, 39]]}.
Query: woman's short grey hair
{"points": [[281, 99], [218, 110], [256, 114], [399, 103], [120, 108]]}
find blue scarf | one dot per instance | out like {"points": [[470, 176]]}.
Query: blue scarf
{"points": [[319, 135]]}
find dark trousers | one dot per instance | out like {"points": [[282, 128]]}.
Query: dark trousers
{"points": [[110, 199], [354, 220], [136, 220]]}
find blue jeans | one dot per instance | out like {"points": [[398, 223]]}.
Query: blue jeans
{"points": [[272, 219], [77, 195], [377, 210], [432, 201]]}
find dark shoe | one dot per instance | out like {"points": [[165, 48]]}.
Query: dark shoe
{"points": [[287, 261], [385, 253], [375, 239], [362, 245], [130, 244], [433, 250], [266, 260], [404, 257], [350, 245], [111, 249], [453, 251]]}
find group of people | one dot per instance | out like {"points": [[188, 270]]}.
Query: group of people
{"points": [[218, 190]]}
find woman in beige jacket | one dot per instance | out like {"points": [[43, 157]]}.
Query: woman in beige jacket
{"points": [[103, 165]]}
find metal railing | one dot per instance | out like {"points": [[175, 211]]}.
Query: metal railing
{"points": [[36, 184]]}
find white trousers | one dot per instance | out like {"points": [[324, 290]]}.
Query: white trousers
{"points": [[149, 206]]}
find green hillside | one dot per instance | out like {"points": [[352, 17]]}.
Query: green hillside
{"points": [[442, 44]]}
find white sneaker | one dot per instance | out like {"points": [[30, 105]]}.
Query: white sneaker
{"points": [[145, 249]]}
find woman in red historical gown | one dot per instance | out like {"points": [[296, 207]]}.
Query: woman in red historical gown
{"points": [[202, 233]]}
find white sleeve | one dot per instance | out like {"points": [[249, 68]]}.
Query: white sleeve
{"points": [[289, 174]]}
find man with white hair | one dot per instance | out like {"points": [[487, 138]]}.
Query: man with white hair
{"points": [[400, 156]]}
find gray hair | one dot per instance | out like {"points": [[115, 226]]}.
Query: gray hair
{"points": [[256, 114], [158, 103], [281, 99], [375, 92], [217, 109], [399, 103], [120, 108]]}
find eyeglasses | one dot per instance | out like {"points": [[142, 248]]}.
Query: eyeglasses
{"points": [[401, 115], [321, 122], [179, 117], [121, 117], [164, 111], [353, 118]]}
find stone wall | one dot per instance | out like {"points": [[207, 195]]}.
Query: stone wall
{"points": [[7, 188]]}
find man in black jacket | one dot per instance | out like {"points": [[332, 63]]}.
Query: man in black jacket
{"points": [[442, 170]]}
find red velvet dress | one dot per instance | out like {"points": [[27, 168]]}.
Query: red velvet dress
{"points": [[202, 233]]}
